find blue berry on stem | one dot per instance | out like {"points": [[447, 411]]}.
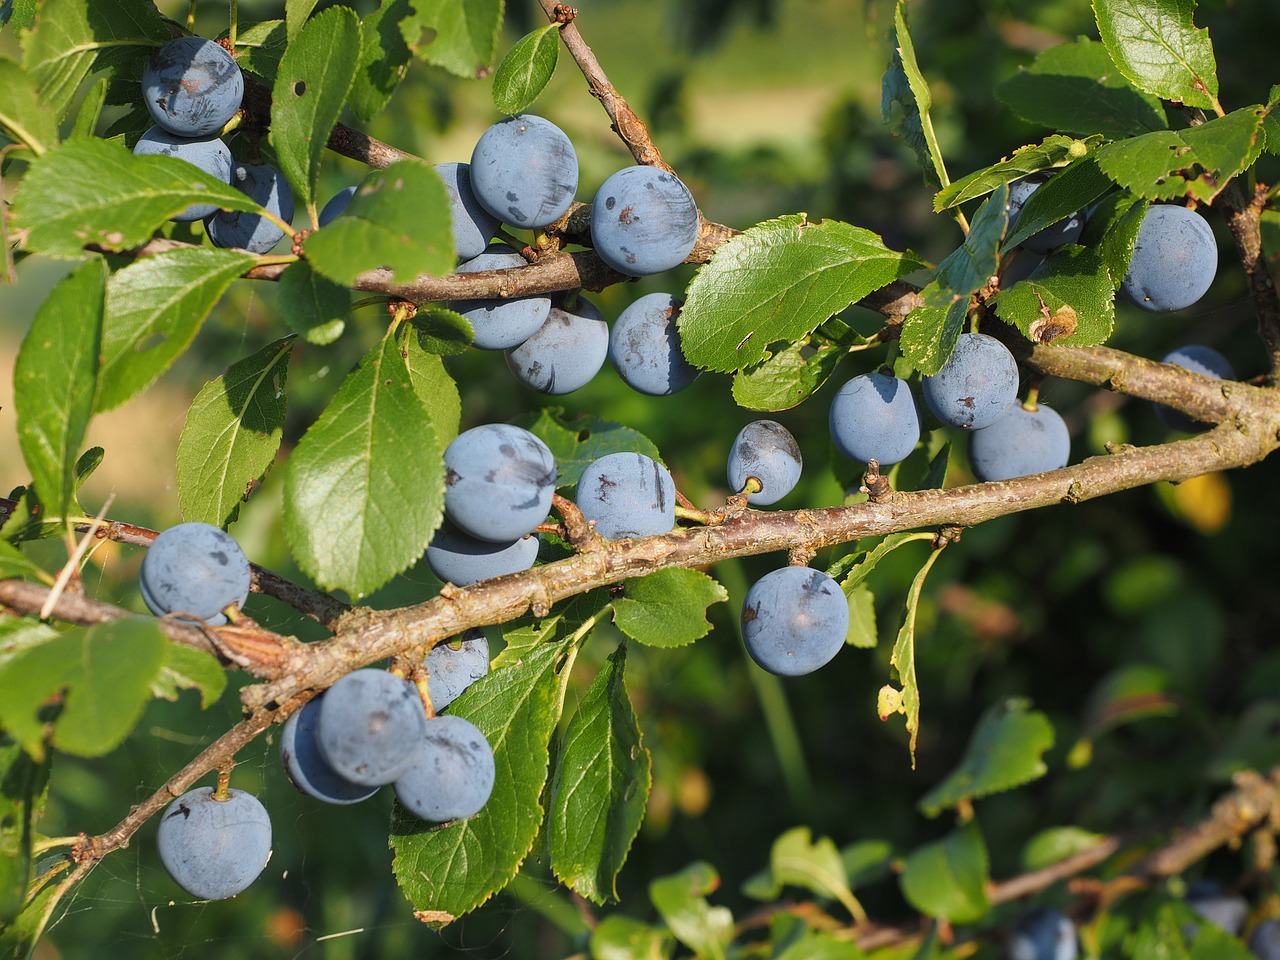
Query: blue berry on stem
{"points": [[565, 353], [975, 386], [305, 764], [794, 621], [455, 664], [473, 225], [499, 482], [462, 560], [766, 451], [210, 155], [644, 220], [501, 324], [874, 417], [452, 773], [267, 187], [192, 86], [644, 347], [524, 171], [1175, 259], [197, 569], [1022, 442], [627, 495], [213, 847], [369, 725]]}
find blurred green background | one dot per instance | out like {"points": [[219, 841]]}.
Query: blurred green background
{"points": [[764, 107]]}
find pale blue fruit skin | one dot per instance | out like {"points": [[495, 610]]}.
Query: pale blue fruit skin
{"points": [[1174, 260], [874, 417], [194, 568], [1226, 910], [192, 87], [766, 450], [213, 849], [253, 232], [644, 220], [210, 155], [336, 206], [473, 225], [462, 560], [1265, 940], [1020, 443], [306, 766], [452, 774], [369, 726], [975, 386], [565, 353], [644, 347], [524, 171], [1043, 934], [499, 481], [794, 621], [1205, 361], [501, 324], [451, 671], [627, 495], [1065, 231]]}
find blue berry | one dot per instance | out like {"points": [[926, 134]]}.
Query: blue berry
{"points": [[644, 347], [473, 225], [459, 559], [501, 324], [1265, 940], [874, 417], [975, 386], [267, 187], [1043, 934], [499, 482], [192, 87], [369, 726], [452, 773], [214, 848], [1198, 359], [211, 156], [794, 621], [1226, 910], [1020, 443], [336, 206], [1055, 235], [627, 495], [524, 171], [454, 665], [565, 353], [196, 569], [767, 451], [1174, 260], [305, 764], [643, 221]]}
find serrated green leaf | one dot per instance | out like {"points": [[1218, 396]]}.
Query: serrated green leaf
{"points": [[1053, 152], [90, 110], [296, 13], [18, 939], [947, 879], [20, 13], [856, 567], [564, 620], [668, 608], [1196, 162], [435, 388], [576, 443], [458, 35], [23, 786], [1066, 193], [903, 658], [312, 305], [1112, 230], [526, 70], [1057, 844], [14, 564], [74, 38], [449, 870], [619, 937], [867, 862], [778, 281], [22, 115], [1074, 87], [1005, 750], [311, 86], [155, 306], [101, 677], [905, 100], [600, 788], [442, 331], [1271, 123], [1069, 299], [364, 488], [786, 378], [1157, 47], [681, 899], [399, 218], [862, 619], [232, 434], [54, 379], [259, 47], [384, 59], [186, 668], [797, 860], [91, 191]]}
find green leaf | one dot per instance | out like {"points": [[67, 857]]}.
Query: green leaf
{"points": [[259, 47], [681, 899], [449, 870], [1005, 751], [312, 305], [600, 788], [435, 388], [862, 619], [815, 945], [856, 567], [526, 70], [1074, 87], [232, 434], [619, 937], [54, 379], [311, 86], [22, 115], [90, 110], [155, 306], [1155, 44], [947, 879], [787, 378], [780, 280], [577, 442], [14, 564], [101, 676], [442, 331], [867, 861], [903, 659], [905, 100], [463, 34], [384, 59], [74, 38], [364, 488], [18, 939], [20, 13], [564, 620], [1056, 844], [1196, 162], [296, 13], [95, 191], [796, 860], [1055, 151], [399, 218], [1069, 299], [668, 608], [23, 784], [1271, 124], [186, 668]]}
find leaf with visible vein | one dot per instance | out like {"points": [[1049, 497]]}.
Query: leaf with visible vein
{"points": [[903, 659], [463, 34], [905, 100], [21, 112], [668, 608], [947, 879], [1156, 45], [526, 69]]}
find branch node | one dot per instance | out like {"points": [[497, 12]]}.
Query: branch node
{"points": [[875, 484]]}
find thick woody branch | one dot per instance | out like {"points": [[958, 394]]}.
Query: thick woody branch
{"points": [[1243, 214]]}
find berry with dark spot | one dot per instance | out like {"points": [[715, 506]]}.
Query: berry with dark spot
{"points": [[794, 621], [627, 495], [975, 386], [213, 847], [524, 171], [499, 482], [767, 451], [644, 220], [192, 87], [644, 347], [196, 569], [565, 353], [370, 723]]}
